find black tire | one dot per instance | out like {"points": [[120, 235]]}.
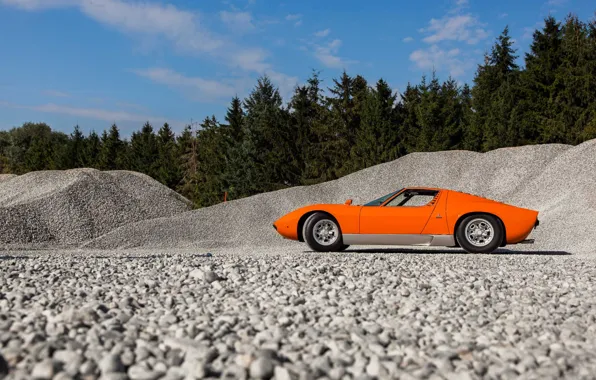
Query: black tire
{"points": [[344, 247], [321, 222], [487, 235]]}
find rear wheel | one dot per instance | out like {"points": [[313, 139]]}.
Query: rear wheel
{"points": [[322, 233], [479, 233]]}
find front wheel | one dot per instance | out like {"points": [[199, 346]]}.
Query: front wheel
{"points": [[323, 233], [479, 233]]}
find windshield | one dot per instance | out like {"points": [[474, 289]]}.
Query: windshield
{"points": [[380, 201]]}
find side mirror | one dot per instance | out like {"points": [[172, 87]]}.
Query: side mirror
{"points": [[348, 202]]}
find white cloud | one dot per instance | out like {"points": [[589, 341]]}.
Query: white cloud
{"points": [[296, 18], [56, 94], [408, 39], [457, 28], [183, 29], [323, 33], [213, 90], [135, 106], [240, 22], [460, 3], [327, 54], [39, 4], [529, 31], [91, 113], [180, 27], [556, 3], [435, 58], [285, 83], [196, 87]]}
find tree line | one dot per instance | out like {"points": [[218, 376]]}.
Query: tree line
{"points": [[266, 145]]}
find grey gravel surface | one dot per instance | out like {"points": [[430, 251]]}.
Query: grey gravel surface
{"points": [[557, 180], [288, 313], [6, 177], [69, 207]]}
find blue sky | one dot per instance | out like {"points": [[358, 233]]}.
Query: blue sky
{"points": [[95, 62]]}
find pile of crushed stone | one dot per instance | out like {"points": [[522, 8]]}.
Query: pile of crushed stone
{"points": [[6, 177], [557, 180], [49, 208]]}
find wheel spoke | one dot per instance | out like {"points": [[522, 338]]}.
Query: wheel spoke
{"points": [[325, 232], [479, 232]]}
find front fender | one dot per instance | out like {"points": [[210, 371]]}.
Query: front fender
{"points": [[347, 217]]}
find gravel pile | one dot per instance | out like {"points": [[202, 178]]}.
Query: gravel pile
{"points": [[72, 206], [286, 314], [6, 177], [557, 180]]}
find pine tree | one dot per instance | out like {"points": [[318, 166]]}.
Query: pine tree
{"points": [[429, 115], [188, 162], [234, 170], [270, 141], [112, 149], [92, 151], [211, 157], [339, 135], [76, 149], [452, 116], [58, 152], [574, 101], [493, 95], [376, 139], [144, 151], [168, 171], [308, 115], [408, 131]]}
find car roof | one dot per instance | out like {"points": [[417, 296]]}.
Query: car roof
{"points": [[424, 188]]}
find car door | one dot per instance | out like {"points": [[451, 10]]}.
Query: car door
{"points": [[406, 213]]}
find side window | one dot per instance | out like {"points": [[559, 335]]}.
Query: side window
{"points": [[419, 200], [397, 200], [412, 199]]}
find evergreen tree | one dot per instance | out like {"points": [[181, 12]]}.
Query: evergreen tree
{"points": [[376, 139], [92, 151], [234, 136], [493, 97], [37, 154], [339, 135], [269, 147], [211, 157], [112, 150], [168, 171], [58, 153], [574, 102], [76, 149], [308, 116], [144, 151], [409, 131], [188, 162]]}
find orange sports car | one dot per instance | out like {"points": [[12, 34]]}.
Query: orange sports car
{"points": [[411, 216]]}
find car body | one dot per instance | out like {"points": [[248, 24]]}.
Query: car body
{"points": [[412, 216]]}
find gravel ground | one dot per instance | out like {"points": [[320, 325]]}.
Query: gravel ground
{"points": [[289, 313]]}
